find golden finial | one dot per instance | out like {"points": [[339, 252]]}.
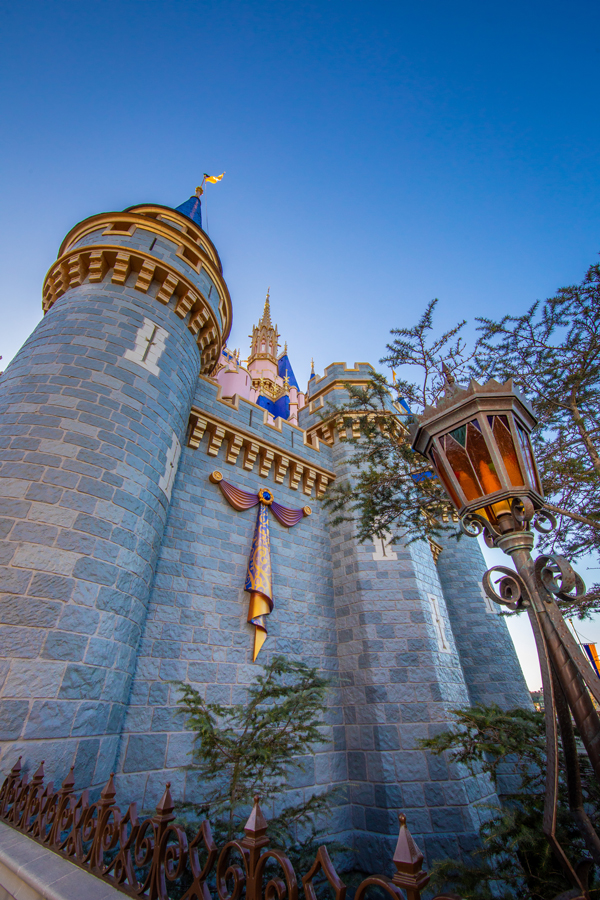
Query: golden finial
{"points": [[199, 190], [286, 382], [285, 350], [312, 367]]}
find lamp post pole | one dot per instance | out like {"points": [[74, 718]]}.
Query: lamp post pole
{"points": [[567, 678], [477, 441]]}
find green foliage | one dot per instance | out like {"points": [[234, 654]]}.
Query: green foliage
{"points": [[392, 491], [552, 353], [249, 749], [515, 859]]}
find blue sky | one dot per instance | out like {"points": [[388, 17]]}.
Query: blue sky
{"points": [[376, 154]]}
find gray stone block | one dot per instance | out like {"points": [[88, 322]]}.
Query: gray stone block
{"points": [[64, 645], [50, 719], [82, 682], [21, 642], [145, 752], [12, 718], [91, 718], [26, 611]]}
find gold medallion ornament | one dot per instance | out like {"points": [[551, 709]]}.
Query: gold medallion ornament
{"points": [[265, 497], [258, 576]]}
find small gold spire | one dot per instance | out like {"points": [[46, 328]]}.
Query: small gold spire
{"points": [[266, 316], [199, 191], [285, 350], [312, 367], [286, 382]]}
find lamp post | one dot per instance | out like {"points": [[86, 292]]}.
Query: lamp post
{"points": [[477, 439]]}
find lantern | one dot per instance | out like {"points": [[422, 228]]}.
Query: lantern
{"points": [[478, 441]]}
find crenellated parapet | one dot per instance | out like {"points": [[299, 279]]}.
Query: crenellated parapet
{"points": [[242, 433], [158, 252]]}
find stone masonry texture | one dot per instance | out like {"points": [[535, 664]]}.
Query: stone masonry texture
{"points": [[120, 577], [84, 434]]}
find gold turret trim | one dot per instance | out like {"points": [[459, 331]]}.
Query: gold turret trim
{"points": [[435, 548], [192, 246], [97, 263], [253, 450]]}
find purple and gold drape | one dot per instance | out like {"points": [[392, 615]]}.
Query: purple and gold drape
{"points": [[259, 583]]}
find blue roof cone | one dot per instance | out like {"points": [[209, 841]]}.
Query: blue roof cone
{"points": [[284, 368], [192, 208]]}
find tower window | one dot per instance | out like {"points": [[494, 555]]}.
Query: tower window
{"points": [[439, 624], [149, 345]]}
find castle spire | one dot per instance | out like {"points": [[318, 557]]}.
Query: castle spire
{"points": [[266, 316], [265, 337]]}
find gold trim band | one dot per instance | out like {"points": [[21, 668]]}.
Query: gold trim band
{"points": [[193, 247], [270, 456]]}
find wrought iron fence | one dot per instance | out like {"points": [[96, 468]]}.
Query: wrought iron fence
{"points": [[151, 858]]}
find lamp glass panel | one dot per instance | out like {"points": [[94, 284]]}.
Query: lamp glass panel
{"points": [[528, 457], [444, 478], [461, 464], [506, 446], [482, 461]]}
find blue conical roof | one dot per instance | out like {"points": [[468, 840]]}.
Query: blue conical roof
{"points": [[284, 368], [192, 208]]}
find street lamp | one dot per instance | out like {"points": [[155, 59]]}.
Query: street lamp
{"points": [[477, 439]]}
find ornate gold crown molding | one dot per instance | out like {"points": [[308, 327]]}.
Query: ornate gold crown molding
{"points": [[98, 263], [252, 449]]}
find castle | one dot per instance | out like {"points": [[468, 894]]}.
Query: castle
{"points": [[124, 567]]}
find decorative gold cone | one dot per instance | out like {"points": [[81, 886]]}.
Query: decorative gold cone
{"points": [[259, 608]]}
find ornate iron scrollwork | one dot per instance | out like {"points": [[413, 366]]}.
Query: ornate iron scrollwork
{"points": [[512, 591], [559, 578], [474, 524], [153, 860]]}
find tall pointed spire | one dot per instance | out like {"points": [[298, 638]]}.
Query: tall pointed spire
{"points": [[266, 316], [265, 337]]}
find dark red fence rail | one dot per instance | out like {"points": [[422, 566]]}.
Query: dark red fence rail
{"points": [[153, 858]]}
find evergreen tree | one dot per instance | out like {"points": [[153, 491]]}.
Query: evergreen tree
{"points": [[391, 490], [514, 861], [552, 353], [248, 749]]}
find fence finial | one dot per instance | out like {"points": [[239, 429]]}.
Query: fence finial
{"points": [[109, 792], [408, 860], [165, 806], [256, 825]]}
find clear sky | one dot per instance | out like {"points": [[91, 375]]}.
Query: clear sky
{"points": [[376, 154]]}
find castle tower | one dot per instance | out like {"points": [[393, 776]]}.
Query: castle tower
{"points": [[93, 412], [401, 665], [262, 362]]}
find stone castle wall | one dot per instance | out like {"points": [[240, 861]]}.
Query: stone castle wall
{"points": [[85, 437], [122, 566]]}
